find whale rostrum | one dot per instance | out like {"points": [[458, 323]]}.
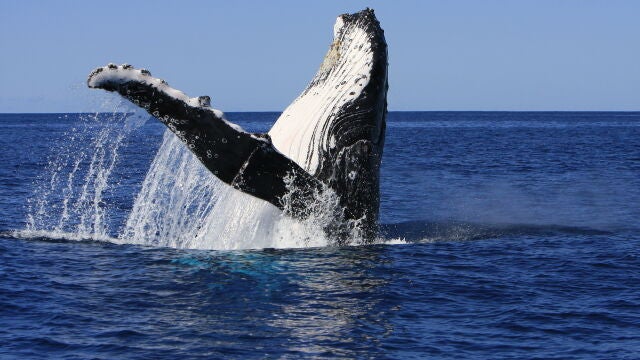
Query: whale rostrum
{"points": [[330, 139]]}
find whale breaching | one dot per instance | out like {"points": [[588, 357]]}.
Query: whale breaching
{"points": [[328, 141]]}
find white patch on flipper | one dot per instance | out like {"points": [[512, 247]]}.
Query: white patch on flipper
{"points": [[301, 132], [112, 74]]}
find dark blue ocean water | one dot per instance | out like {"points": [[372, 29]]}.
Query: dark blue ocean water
{"points": [[522, 236]]}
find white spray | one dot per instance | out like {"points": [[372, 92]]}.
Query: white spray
{"points": [[69, 199], [183, 205], [180, 203]]}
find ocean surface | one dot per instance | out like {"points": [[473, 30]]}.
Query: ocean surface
{"points": [[504, 235]]}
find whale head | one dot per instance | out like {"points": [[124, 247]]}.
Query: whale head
{"points": [[335, 129]]}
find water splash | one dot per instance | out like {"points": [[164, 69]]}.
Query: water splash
{"points": [[183, 205], [69, 199], [176, 195], [180, 204]]}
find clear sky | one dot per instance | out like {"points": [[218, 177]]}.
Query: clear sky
{"points": [[259, 55]]}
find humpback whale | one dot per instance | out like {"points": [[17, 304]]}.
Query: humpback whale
{"points": [[329, 141]]}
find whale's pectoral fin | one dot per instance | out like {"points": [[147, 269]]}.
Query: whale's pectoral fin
{"points": [[246, 161]]}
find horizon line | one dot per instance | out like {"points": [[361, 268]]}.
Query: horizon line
{"points": [[280, 111]]}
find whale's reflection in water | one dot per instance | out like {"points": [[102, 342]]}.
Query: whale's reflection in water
{"points": [[311, 300]]}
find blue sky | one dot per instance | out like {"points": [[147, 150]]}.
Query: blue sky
{"points": [[259, 55]]}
